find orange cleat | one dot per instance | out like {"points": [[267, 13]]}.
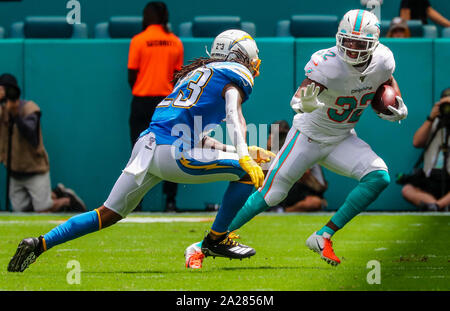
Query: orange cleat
{"points": [[194, 256], [195, 261], [324, 247]]}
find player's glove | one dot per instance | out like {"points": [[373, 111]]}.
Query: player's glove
{"points": [[253, 169], [308, 101], [398, 114], [260, 155]]}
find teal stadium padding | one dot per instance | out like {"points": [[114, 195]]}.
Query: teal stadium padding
{"points": [[211, 26], [446, 32], [441, 64], [2, 32], [48, 27], [299, 26], [88, 155]]}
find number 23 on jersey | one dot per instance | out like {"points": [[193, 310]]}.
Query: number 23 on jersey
{"points": [[194, 89]]}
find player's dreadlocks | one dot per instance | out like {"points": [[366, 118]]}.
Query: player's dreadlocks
{"points": [[239, 57]]}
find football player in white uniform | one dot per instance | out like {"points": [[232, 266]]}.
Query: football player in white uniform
{"points": [[340, 83]]}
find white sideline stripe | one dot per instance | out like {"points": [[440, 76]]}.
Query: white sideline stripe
{"points": [[203, 213], [146, 220], [135, 220], [380, 249]]}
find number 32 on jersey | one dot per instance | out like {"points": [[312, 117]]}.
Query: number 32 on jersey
{"points": [[349, 109]]}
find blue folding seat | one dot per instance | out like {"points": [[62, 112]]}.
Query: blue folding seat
{"points": [[308, 26], [416, 28], [446, 32], [48, 27], [211, 26], [119, 27]]}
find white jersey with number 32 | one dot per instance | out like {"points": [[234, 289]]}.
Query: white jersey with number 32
{"points": [[348, 92]]}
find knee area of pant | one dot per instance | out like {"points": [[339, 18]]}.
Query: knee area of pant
{"points": [[275, 197], [377, 179]]}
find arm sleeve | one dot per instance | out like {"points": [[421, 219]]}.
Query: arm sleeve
{"points": [[29, 127], [134, 54], [233, 125]]}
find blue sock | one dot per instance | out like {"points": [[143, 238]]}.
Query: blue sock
{"points": [[73, 228], [233, 200], [254, 205], [368, 189]]}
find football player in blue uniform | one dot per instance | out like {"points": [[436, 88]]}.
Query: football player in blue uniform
{"points": [[176, 148]]}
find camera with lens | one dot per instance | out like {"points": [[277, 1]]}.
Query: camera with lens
{"points": [[414, 178], [444, 110]]}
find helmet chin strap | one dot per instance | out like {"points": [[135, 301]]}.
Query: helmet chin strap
{"points": [[207, 52]]}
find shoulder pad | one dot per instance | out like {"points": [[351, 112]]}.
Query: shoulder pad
{"points": [[323, 66]]}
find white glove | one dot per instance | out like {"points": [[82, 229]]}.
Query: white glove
{"points": [[308, 101], [398, 114]]}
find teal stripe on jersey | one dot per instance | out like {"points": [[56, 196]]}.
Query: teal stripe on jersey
{"points": [[283, 157]]}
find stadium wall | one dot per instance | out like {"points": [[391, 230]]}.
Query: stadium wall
{"points": [[264, 13], [81, 87]]}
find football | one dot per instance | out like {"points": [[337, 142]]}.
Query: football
{"points": [[383, 98]]}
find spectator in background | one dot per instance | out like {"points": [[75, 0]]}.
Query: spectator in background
{"points": [[398, 29], [421, 10], [425, 189], [29, 166], [307, 193], [155, 55]]}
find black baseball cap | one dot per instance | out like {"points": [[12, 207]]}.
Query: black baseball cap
{"points": [[10, 83], [445, 92]]}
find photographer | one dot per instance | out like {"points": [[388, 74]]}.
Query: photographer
{"points": [[22, 151], [429, 188]]}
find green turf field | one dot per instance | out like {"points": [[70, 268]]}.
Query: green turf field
{"points": [[412, 249]]}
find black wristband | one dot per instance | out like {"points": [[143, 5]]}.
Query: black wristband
{"points": [[430, 119]]}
